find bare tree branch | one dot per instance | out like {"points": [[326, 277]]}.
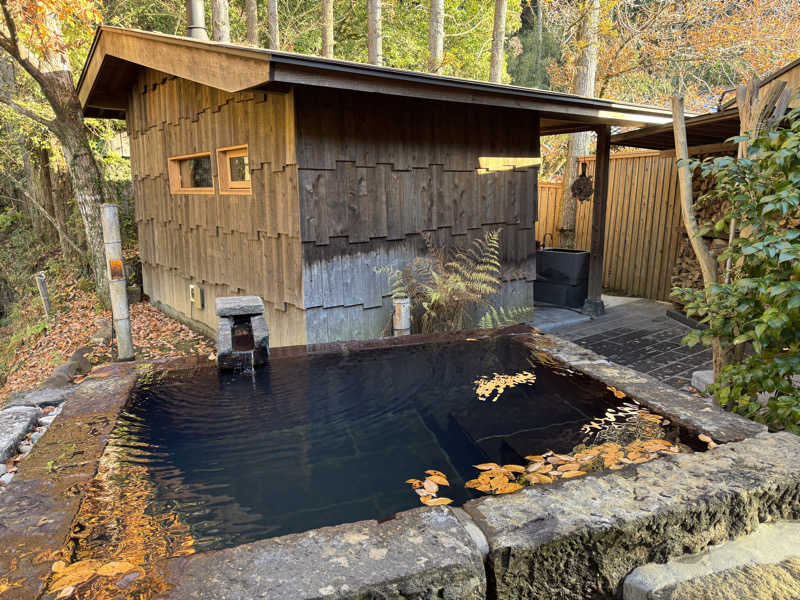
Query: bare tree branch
{"points": [[8, 101]]}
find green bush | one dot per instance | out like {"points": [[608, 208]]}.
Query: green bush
{"points": [[759, 310]]}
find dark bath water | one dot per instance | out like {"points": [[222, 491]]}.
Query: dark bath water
{"points": [[327, 439]]}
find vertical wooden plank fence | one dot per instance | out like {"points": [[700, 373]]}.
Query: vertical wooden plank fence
{"points": [[643, 222]]}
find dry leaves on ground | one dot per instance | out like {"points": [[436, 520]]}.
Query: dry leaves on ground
{"points": [[155, 335]]}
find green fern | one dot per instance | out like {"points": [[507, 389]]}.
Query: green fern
{"points": [[502, 317], [447, 287]]}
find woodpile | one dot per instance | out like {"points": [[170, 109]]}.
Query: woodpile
{"points": [[686, 271]]}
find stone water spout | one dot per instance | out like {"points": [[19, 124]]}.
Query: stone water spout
{"points": [[242, 334]]}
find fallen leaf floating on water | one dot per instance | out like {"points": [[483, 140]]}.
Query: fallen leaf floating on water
{"points": [[423, 492], [430, 486], [509, 487], [435, 472], [415, 483], [58, 566], [435, 501], [439, 479], [535, 458], [514, 468], [569, 474], [486, 466]]}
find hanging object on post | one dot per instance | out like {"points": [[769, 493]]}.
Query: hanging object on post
{"points": [[582, 187]]}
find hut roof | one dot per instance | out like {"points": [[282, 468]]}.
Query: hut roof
{"points": [[117, 54]]}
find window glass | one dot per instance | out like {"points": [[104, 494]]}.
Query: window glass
{"points": [[196, 172], [191, 174], [239, 169]]}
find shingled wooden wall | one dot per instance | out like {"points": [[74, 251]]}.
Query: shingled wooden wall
{"points": [[225, 244], [377, 171]]}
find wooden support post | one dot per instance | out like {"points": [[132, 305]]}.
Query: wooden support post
{"points": [[594, 303], [41, 283]]}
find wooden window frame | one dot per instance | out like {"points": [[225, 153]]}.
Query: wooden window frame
{"points": [[226, 186], [174, 173]]}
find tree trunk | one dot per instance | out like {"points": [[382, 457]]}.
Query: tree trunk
{"points": [[45, 193], [578, 143], [375, 36], [327, 28], [498, 41], [708, 264], [539, 41], [274, 32], [62, 191], [251, 14], [436, 36], [220, 22]]}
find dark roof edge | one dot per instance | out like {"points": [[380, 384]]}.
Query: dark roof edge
{"points": [[623, 139], [290, 59]]}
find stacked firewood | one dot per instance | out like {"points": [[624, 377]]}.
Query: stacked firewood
{"points": [[686, 271]]}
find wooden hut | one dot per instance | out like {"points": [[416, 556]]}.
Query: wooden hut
{"points": [[293, 177]]}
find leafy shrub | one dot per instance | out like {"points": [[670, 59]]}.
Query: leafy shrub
{"points": [[448, 288], [9, 217], [759, 310]]}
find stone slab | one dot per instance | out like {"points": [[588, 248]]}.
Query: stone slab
{"points": [[699, 415], [15, 423], [737, 560], [579, 538], [37, 509], [41, 397], [234, 306], [421, 553], [702, 379]]}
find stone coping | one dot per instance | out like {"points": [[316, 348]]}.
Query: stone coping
{"points": [[38, 507], [599, 527], [420, 553], [579, 538]]}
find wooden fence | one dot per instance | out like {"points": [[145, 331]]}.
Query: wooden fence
{"points": [[643, 222]]}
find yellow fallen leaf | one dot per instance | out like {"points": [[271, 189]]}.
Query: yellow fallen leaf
{"points": [[472, 483], [570, 467], [617, 393], [435, 472], [430, 485], [415, 483], [508, 488], [570, 474], [58, 566], [535, 458], [498, 482], [486, 466], [543, 478], [704, 438], [483, 488], [514, 468], [117, 567], [436, 501], [423, 492], [440, 479]]}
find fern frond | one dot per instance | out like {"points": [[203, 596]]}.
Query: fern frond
{"points": [[502, 317]]}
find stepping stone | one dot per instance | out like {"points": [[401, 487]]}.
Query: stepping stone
{"points": [[15, 423], [763, 565]]}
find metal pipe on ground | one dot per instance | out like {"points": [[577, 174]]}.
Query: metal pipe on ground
{"points": [[112, 240]]}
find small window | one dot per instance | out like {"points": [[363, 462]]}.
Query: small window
{"points": [[234, 170], [191, 174]]}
